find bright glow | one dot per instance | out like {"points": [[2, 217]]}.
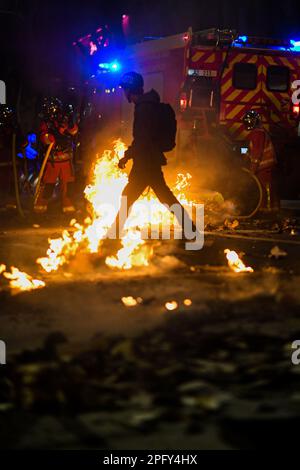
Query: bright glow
{"points": [[235, 263], [243, 38], [129, 301], [104, 190], [296, 109], [295, 45], [114, 66], [2, 268], [187, 302], [173, 305], [93, 48], [183, 101], [21, 281]]}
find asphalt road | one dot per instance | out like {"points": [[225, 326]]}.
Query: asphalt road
{"points": [[85, 371]]}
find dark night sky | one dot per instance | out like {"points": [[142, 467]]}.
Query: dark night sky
{"points": [[36, 36]]}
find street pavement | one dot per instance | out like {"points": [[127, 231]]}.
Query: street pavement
{"points": [[86, 371]]}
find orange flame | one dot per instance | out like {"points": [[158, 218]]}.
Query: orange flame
{"points": [[105, 188], [235, 263], [21, 281]]}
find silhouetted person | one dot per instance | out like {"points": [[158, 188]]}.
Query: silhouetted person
{"points": [[147, 146], [263, 160]]}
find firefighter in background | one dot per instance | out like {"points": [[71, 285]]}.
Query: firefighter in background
{"points": [[59, 128], [262, 159]]}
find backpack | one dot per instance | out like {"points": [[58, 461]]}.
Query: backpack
{"points": [[167, 127]]}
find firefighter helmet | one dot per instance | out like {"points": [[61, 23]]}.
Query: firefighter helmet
{"points": [[52, 108], [251, 119], [132, 81]]}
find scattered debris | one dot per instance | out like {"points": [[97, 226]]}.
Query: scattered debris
{"points": [[232, 225], [277, 252]]}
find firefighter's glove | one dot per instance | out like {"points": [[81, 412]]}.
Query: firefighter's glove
{"points": [[122, 163]]}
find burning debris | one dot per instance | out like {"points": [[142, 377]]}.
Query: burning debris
{"points": [[231, 225], [134, 253], [104, 193], [20, 281], [277, 253], [172, 305], [235, 263], [131, 301]]}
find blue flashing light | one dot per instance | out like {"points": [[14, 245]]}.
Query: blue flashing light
{"points": [[104, 65], [243, 38], [114, 66], [295, 45]]}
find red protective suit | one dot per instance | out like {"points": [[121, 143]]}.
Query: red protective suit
{"points": [[59, 165], [263, 163]]}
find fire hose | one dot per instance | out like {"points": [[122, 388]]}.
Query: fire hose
{"points": [[260, 190], [15, 172], [41, 173]]}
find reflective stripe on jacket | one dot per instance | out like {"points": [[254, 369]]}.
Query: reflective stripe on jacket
{"points": [[262, 150]]}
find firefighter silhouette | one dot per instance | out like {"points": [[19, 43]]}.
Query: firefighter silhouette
{"points": [[58, 128], [262, 159]]}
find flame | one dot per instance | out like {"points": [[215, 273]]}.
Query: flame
{"points": [[131, 301], [172, 305], [235, 263], [21, 281], [103, 192], [105, 188]]}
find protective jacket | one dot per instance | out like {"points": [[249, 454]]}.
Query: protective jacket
{"points": [[61, 134], [144, 149], [262, 152]]}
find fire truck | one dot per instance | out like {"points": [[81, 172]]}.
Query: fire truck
{"points": [[211, 78]]}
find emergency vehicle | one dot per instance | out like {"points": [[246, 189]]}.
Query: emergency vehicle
{"points": [[212, 78]]}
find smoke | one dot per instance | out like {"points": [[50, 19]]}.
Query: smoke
{"points": [[215, 168]]}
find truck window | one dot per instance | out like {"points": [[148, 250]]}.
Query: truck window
{"points": [[278, 78], [245, 76], [199, 90]]}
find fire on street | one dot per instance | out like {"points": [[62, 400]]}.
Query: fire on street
{"points": [[145, 357]]}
